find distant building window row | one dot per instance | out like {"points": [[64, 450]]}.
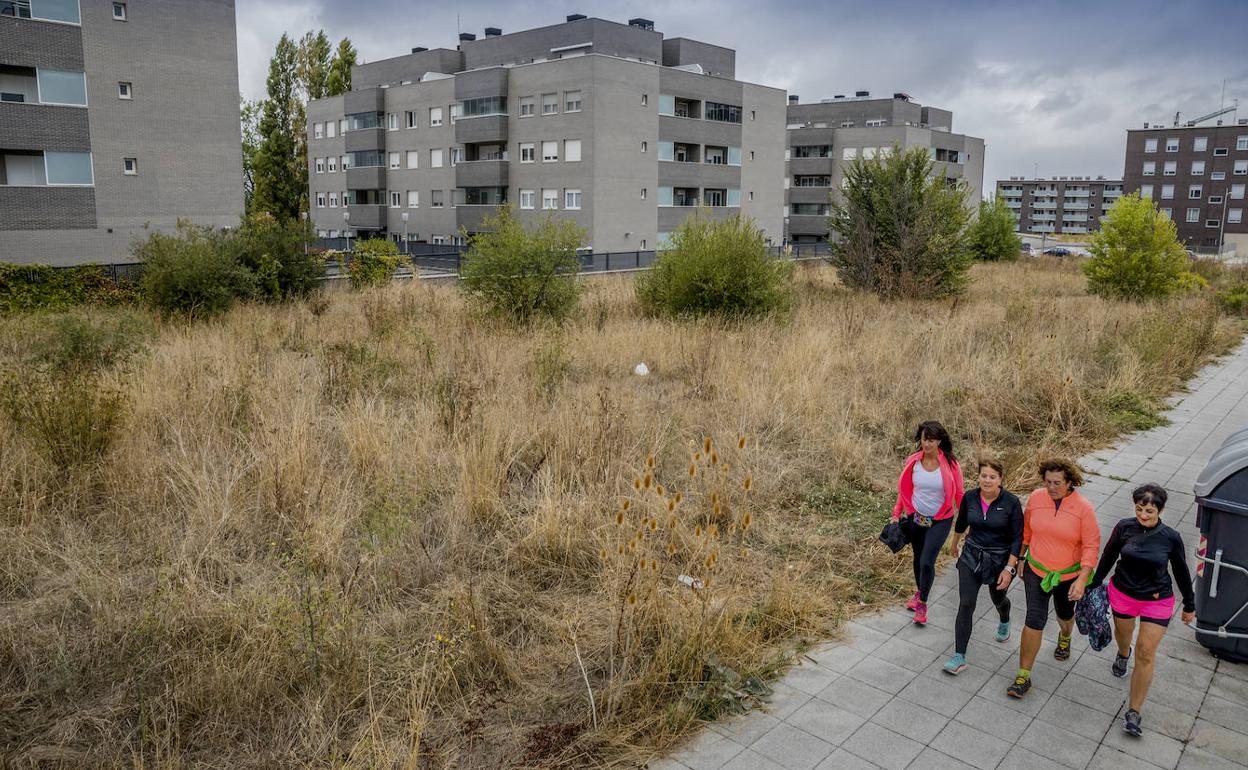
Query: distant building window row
{"points": [[550, 199]]}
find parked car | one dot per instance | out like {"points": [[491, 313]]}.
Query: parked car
{"points": [[1026, 248], [1057, 251]]}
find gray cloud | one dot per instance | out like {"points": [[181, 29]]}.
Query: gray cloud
{"points": [[1049, 85]]}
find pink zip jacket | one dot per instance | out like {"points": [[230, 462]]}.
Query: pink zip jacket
{"points": [[950, 471]]}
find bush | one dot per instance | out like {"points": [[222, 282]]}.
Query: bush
{"points": [[716, 268], [992, 236], [1136, 255], [192, 272], [276, 252], [1234, 300], [520, 273], [26, 288], [374, 262], [900, 228]]}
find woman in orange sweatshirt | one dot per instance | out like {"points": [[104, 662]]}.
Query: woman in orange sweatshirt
{"points": [[1061, 540]]}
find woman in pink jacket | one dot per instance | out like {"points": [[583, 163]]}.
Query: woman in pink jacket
{"points": [[929, 491]]}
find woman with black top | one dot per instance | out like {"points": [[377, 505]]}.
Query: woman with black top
{"points": [[1144, 553], [989, 556]]}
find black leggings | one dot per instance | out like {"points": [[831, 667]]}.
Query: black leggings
{"points": [[1038, 599], [968, 595], [926, 542]]}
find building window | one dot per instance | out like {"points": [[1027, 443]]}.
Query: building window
{"points": [[1150, 168], [1150, 145], [645, 146], [1237, 192], [572, 199], [1146, 191], [320, 165], [1200, 144], [1215, 198], [753, 114], [409, 118], [455, 112], [571, 101], [528, 152], [643, 193], [527, 106], [130, 166], [1171, 168], [1172, 145], [457, 155], [318, 129], [1193, 215], [1241, 168], [394, 160], [550, 200], [1168, 213], [413, 158], [645, 100], [571, 150], [435, 158], [413, 199], [550, 104], [333, 164], [119, 11], [1167, 191], [333, 200], [1234, 216], [1213, 223], [125, 90], [751, 155], [1198, 168], [1241, 142], [550, 152], [59, 87], [723, 113], [435, 116], [850, 153], [751, 195], [1195, 192], [396, 199], [342, 128], [1217, 176], [527, 199], [435, 199]]}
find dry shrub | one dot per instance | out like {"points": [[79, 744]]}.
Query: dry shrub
{"points": [[379, 530]]}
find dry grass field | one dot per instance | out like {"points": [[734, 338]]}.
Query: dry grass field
{"points": [[377, 530]]}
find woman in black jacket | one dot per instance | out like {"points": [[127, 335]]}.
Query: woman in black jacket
{"points": [[989, 556], [1143, 553]]}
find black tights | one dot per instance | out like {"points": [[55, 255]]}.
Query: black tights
{"points": [[968, 595], [926, 543]]}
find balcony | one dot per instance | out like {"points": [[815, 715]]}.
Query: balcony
{"points": [[1074, 218], [809, 194], [1044, 217], [1013, 204], [472, 218], [1075, 207], [366, 178], [1076, 193], [802, 224], [483, 128], [362, 139], [811, 166], [366, 217], [482, 173]]}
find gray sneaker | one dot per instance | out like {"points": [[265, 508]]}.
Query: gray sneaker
{"points": [[1131, 723], [1120, 663]]}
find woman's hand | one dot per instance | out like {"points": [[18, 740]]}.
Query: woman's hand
{"points": [[1187, 617], [954, 550], [1004, 580], [1076, 590]]}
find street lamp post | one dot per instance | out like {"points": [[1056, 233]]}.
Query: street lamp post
{"points": [[405, 216], [346, 220]]}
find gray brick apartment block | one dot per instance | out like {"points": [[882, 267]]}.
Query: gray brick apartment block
{"points": [[607, 124], [1197, 175], [825, 137], [1062, 204], [115, 117]]}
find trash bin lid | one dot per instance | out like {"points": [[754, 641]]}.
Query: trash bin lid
{"points": [[1230, 458]]}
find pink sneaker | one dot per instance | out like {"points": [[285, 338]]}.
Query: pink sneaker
{"points": [[914, 602], [920, 614]]}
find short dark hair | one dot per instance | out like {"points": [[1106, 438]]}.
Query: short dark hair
{"points": [[1067, 468], [934, 430], [1150, 493], [992, 462]]}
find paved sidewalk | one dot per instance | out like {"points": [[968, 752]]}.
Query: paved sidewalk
{"points": [[878, 697]]}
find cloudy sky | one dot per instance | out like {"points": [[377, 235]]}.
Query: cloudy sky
{"points": [[1049, 85]]}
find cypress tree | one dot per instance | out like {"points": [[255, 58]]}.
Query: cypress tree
{"points": [[339, 80], [280, 183]]}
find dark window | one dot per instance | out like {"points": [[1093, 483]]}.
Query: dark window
{"points": [[724, 113]]}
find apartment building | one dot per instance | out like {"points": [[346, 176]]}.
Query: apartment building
{"points": [[611, 125], [115, 118], [825, 137], [1197, 175], [1061, 204]]}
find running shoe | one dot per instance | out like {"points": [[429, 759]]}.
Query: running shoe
{"points": [[920, 614], [1120, 663], [1131, 723], [1062, 650], [956, 664], [1020, 687], [1003, 631], [913, 604]]}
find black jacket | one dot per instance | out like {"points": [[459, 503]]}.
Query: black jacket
{"points": [[1000, 527], [1145, 560]]}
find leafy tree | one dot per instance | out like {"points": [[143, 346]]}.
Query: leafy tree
{"points": [[314, 62], [901, 229], [716, 268], [276, 252], [373, 262], [249, 114], [992, 236], [520, 274], [191, 273], [339, 80], [1137, 255], [280, 173]]}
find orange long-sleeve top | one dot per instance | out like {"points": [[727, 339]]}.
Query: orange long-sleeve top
{"points": [[1060, 536]]}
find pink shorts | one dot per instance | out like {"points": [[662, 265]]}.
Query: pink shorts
{"points": [[1156, 609]]}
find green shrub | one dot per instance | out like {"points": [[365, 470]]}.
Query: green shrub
{"points": [[1234, 300], [75, 344], [900, 229], [27, 288], [992, 235], [277, 253], [72, 420], [1136, 255], [716, 268], [374, 262], [192, 272], [522, 274]]}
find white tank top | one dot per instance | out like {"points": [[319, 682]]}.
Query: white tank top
{"points": [[929, 490]]}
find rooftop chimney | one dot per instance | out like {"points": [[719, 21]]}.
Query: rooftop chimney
{"points": [[419, 49], [793, 99], [466, 37], [575, 16], [641, 23], [493, 32]]}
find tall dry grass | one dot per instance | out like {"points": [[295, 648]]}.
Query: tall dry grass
{"points": [[375, 530]]}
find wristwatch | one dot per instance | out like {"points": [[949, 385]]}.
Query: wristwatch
{"points": [[1012, 570]]}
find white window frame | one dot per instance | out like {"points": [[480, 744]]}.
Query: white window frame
{"points": [[1150, 168], [454, 110], [320, 165], [1167, 192], [320, 200], [1240, 168], [532, 199], [554, 103], [567, 102], [434, 203], [413, 159], [394, 161], [329, 130], [333, 200], [435, 157], [1241, 142], [550, 151], [531, 148], [1234, 216], [1172, 144], [318, 130], [1198, 168], [571, 147], [125, 12], [552, 197], [1146, 191], [526, 101], [413, 199], [331, 166], [1195, 192], [396, 199], [1170, 168], [568, 198], [1237, 192], [392, 121], [410, 119], [435, 116], [1193, 215], [130, 166], [1150, 145], [1200, 144]]}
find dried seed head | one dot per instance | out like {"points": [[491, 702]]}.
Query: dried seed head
{"points": [[713, 530], [620, 548], [706, 582], [647, 480], [632, 545], [619, 518], [628, 504], [714, 458], [637, 483], [708, 561], [654, 525], [650, 461], [749, 482], [679, 497], [671, 523], [671, 549], [602, 554], [693, 470], [741, 442], [717, 509], [746, 520], [671, 505], [654, 565], [697, 456], [706, 445], [658, 489], [697, 531], [714, 498], [632, 598]]}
